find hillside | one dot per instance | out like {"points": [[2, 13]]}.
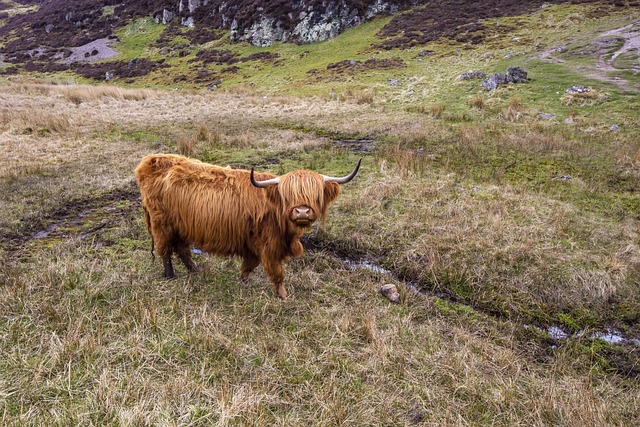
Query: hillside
{"points": [[136, 41], [499, 194]]}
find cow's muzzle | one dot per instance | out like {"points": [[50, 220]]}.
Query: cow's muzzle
{"points": [[302, 215]]}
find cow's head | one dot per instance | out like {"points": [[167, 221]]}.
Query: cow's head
{"points": [[304, 195]]}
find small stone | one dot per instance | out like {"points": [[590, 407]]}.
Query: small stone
{"points": [[472, 75], [614, 127], [546, 116], [390, 292], [577, 89]]}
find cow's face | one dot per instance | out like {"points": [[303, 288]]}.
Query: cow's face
{"points": [[303, 195]]}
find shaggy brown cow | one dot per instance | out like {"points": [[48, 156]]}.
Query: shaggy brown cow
{"points": [[231, 212]]}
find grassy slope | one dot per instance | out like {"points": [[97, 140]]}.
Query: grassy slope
{"points": [[464, 201]]}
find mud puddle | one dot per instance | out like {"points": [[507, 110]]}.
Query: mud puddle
{"points": [[78, 218], [365, 145]]}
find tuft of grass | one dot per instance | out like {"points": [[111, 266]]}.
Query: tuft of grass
{"points": [[32, 121], [436, 110], [185, 146], [514, 111], [365, 96], [79, 94], [478, 102]]}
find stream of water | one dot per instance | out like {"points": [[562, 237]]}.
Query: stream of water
{"points": [[556, 333]]}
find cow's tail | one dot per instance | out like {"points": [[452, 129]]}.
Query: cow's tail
{"points": [[147, 220]]}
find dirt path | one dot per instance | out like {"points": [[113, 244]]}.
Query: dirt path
{"points": [[631, 36], [604, 68]]}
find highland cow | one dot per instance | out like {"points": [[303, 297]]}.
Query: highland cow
{"points": [[256, 216]]}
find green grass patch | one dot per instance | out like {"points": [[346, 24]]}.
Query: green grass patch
{"points": [[136, 38]]}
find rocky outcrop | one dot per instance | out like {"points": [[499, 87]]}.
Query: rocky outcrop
{"points": [[513, 75], [263, 22]]}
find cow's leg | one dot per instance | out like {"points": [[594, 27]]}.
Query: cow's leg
{"points": [[275, 271], [168, 265], [184, 252], [162, 237], [249, 263]]}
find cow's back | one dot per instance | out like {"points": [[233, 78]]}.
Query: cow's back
{"points": [[216, 209]]}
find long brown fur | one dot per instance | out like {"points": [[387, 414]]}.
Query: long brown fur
{"points": [[187, 202]]}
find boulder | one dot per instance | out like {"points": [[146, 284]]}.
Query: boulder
{"points": [[513, 75], [494, 81], [516, 75]]}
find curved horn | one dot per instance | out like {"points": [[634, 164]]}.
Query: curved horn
{"points": [[344, 179], [263, 184]]}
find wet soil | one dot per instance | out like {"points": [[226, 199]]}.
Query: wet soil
{"points": [[77, 218]]}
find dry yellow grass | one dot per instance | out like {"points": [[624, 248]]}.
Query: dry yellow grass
{"points": [[436, 110]]}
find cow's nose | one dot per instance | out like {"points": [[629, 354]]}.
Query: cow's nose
{"points": [[302, 212]]}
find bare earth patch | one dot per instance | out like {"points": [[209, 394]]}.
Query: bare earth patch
{"points": [[96, 50]]}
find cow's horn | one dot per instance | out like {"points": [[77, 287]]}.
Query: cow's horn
{"points": [[263, 184], [344, 179]]}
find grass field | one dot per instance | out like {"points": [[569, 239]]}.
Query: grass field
{"points": [[512, 238]]}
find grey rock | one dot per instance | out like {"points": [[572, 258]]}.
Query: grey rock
{"points": [[188, 22], [513, 75], [516, 75], [577, 89], [167, 16], [547, 116], [108, 76], [494, 81], [472, 75], [390, 292], [191, 5], [614, 127]]}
